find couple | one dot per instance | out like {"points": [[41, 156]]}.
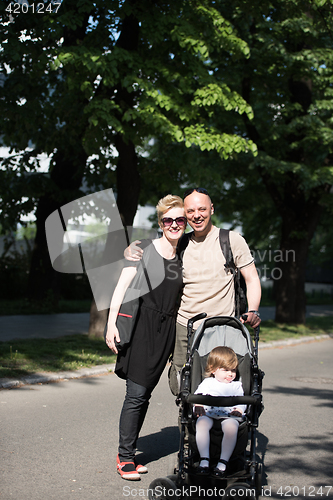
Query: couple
{"points": [[206, 288]]}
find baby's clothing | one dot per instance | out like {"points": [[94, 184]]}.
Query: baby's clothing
{"points": [[211, 386]]}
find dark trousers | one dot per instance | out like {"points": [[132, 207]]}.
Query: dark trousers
{"points": [[131, 419]]}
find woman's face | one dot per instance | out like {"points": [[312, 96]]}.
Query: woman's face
{"points": [[173, 229]]}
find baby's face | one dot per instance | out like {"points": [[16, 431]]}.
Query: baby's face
{"points": [[225, 376]]}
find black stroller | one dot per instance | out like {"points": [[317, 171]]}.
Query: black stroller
{"points": [[244, 472]]}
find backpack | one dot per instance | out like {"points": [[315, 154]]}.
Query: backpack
{"points": [[239, 282]]}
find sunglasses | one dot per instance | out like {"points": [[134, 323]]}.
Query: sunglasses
{"points": [[168, 221], [198, 190]]}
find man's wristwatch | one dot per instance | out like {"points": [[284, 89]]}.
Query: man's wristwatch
{"points": [[255, 312]]}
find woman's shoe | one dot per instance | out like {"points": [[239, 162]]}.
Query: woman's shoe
{"points": [[203, 470], [127, 470], [218, 472], [141, 469]]}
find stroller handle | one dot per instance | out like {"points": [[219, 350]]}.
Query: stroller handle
{"points": [[193, 320]]}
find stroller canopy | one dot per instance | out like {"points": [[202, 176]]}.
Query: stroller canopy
{"points": [[222, 330]]}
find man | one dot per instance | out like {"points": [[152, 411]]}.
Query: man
{"points": [[208, 286]]}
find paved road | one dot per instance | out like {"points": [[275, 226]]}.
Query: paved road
{"points": [[57, 325], [59, 440]]}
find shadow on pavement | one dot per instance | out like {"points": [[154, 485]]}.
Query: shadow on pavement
{"points": [[158, 445], [324, 397]]}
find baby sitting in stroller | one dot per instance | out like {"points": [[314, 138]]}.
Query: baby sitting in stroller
{"points": [[220, 371]]}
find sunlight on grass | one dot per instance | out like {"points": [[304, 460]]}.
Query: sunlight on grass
{"points": [[22, 357], [271, 331]]}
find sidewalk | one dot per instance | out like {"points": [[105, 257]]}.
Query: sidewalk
{"points": [[57, 325]]}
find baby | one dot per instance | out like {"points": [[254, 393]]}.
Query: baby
{"points": [[221, 369]]}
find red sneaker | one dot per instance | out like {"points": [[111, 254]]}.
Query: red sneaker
{"points": [[127, 470], [141, 469]]}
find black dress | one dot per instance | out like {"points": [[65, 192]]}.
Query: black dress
{"points": [[154, 334]]}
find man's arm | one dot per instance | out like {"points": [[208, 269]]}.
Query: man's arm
{"points": [[253, 294]]}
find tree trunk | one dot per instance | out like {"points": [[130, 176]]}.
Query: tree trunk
{"points": [[128, 190], [289, 276], [97, 321], [128, 178], [300, 218], [299, 210], [66, 176], [44, 281]]}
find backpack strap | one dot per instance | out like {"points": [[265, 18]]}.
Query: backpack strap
{"points": [[226, 250], [225, 247], [239, 282]]}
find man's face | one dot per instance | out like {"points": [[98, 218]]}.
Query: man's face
{"points": [[198, 210]]}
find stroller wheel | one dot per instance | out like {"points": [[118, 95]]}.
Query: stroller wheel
{"points": [[162, 488], [239, 491]]}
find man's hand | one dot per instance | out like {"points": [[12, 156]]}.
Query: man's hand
{"points": [[251, 319], [133, 252]]}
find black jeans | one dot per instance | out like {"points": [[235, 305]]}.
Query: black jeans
{"points": [[131, 419]]}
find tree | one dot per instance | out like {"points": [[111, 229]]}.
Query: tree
{"points": [[280, 196], [288, 81], [92, 78]]}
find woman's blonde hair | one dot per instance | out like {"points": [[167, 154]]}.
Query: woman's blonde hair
{"points": [[221, 357], [169, 201]]}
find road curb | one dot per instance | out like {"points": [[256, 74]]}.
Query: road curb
{"points": [[46, 378], [287, 342]]}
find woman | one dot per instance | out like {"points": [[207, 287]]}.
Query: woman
{"points": [[143, 362]]}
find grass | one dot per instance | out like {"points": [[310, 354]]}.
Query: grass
{"points": [[28, 356], [24, 357], [271, 331], [23, 306], [315, 298]]}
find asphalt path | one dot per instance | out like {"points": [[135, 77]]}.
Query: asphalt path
{"points": [[59, 440], [57, 325]]}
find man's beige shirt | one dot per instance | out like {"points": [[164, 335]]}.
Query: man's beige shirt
{"points": [[207, 286]]}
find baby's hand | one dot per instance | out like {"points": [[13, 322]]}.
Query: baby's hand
{"points": [[199, 411], [236, 413]]}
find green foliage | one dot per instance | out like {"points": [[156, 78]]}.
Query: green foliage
{"points": [[26, 233], [95, 70]]}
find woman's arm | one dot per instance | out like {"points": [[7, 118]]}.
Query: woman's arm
{"points": [[124, 282]]}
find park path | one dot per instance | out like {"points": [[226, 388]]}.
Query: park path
{"points": [[59, 441], [57, 325]]}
